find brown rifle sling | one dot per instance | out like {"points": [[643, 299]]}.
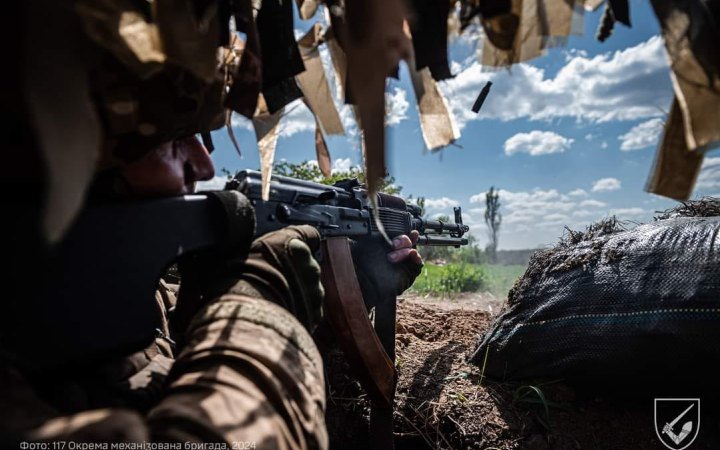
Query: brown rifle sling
{"points": [[345, 310]]}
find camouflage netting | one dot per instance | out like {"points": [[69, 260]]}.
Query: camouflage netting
{"points": [[635, 307]]}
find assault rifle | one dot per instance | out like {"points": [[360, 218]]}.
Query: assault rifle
{"points": [[96, 299], [341, 210]]}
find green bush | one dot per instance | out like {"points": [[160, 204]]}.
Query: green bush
{"points": [[450, 278]]}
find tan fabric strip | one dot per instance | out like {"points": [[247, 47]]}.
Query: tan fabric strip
{"points": [[339, 60], [322, 152], [697, 89], [436, 121], [528, 42], [266, 132], [543, 23], [592, 5], [675, 169], [375, 43], [308, 8], [314, 84]]}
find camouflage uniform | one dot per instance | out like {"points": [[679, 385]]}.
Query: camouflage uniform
{"points": [[249, 374]]}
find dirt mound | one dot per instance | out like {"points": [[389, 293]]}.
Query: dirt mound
{"points": [[443, 402]]}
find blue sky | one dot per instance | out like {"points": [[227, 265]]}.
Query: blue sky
{"points": [[553, 135]]}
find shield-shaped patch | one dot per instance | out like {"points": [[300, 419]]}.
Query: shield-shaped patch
{"points": [[677, 421]]}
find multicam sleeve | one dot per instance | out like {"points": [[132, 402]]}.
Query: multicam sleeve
{"points": [[250, 374]]}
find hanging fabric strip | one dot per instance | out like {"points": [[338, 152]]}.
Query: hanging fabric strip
{"points": [[280, 54], [429, 25], [266, 133], [691, 34], [375, 43], [436, 121], [247, 79], [527, 43], [307, 8], [675, 168], [322, 152], [314, 84], [339, 60], [542, 24]]}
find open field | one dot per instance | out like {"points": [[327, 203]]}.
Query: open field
{"points": [[494, 279]]}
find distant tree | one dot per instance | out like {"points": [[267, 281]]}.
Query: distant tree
{"points": [[420, 202], [311, 172], [226, 173], [493, 219]]}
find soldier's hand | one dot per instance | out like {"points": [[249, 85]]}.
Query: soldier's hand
{"points": [[385, 272], [281, 268]]}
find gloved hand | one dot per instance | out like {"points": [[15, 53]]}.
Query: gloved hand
{"points": [[280, 267], [383, 271]]}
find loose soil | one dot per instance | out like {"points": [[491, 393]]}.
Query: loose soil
{"points": [[443, 402]]}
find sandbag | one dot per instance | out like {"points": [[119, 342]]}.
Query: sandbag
{"points": [[626, 307]]}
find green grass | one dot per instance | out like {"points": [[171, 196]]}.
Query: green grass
{"points": [[458, 277], [502, 278]]}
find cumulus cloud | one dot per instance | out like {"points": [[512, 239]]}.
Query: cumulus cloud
{"points": [[592, 204], [537, 143], [441, 203], [539, 217], [396, 106], [338, 165], [342, 165], [215, 184], [296, 118], [624, 85], [622, 213], [642, 135], [578, 193], [528, 207], [240, 121], [606, 184]]}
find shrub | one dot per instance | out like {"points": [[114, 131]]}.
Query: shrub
{"points": [[451, 278]]}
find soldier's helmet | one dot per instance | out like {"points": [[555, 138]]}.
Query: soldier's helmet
{"points": [[108, 80]]}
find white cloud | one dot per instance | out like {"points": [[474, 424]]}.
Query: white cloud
{"points": [[709, 177], [642, 135], [606, 184], [537, 218], [341, 165], [215, 184], [624, 85], [396, 106], [622, 213], [584, 213], [240, 121], [578, 193], [338, 165], [589, 137], [592, 204], [296, 118], [552, 218], [441, 203], [604, 145], [537, 143], [528, 207]]}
